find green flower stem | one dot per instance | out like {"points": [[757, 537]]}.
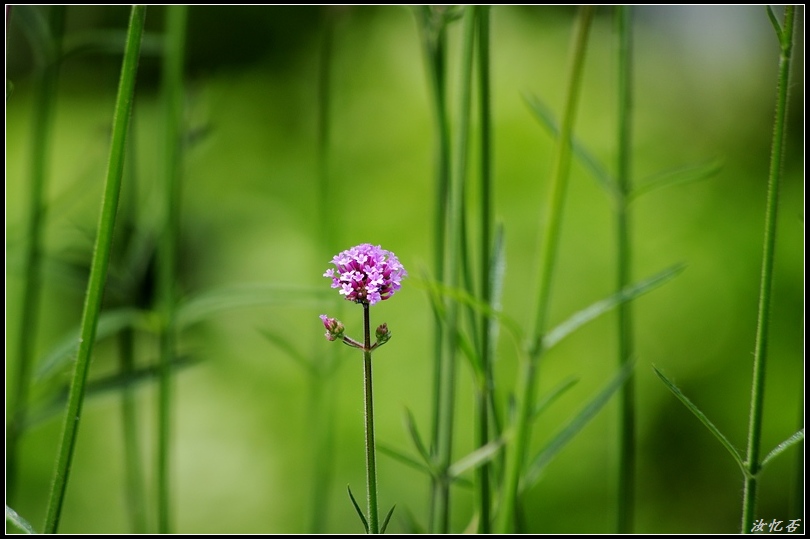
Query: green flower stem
{"points": [[516, 449], [483, 393], [371, 455], [45, 103], [627, 422], [763, 318], [99, 264], [174, 52]]}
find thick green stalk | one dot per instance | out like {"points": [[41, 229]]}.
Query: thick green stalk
{"points": [[763, 318], [173, 54], [483, 394], [627, 422], [517, 447], [99, 264], [371, 454], [44, 105]]}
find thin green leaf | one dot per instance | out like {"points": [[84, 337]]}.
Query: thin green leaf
{"points": [[597, 309], [475, 459], [102, 386], [405, 459], [201, 306], [775, 22], [17, 520], [679, 176], [796, 438], [554, 394], [574, 426], [546, 116], [703, 419], [439, 289], [410, 424], [109, 323], [291, 351], [386, 519], [357, 508]]}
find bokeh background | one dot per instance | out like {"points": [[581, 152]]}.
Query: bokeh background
{"points": [[704, 88]]}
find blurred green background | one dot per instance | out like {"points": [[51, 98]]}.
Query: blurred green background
{"points": [[705, 81]]}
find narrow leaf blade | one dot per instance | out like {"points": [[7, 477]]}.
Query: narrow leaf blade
{"points": [[600, 307], [386, 519], [796, 438], [475, 459], [702, 417], [357, 508], [18, 521], [405, 459], [678, 176]]}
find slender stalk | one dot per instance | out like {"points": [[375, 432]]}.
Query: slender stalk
{"points": [[44, 105], [99, 264], [517, 447], [174, 52], [483, 394], [763, 317], [627, 421], [434, 45], [134, 474], [371, 455]]}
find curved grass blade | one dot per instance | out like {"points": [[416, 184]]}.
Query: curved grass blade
{"points": [[410, 424], [546, 116], [480, 456], [796, 438], [357, 508], [109, 324], [291, 351], [386, 519], [703, 419], [775, 22], [405, 459], [203, 305], [18, 521], [679, 176], [597, 309], [554, 394], [574, 426]]}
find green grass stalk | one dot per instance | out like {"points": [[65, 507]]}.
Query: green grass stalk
{"points": [[752, 462], [99, 265], [483, 395], [434, 42], [44, 105], [627, 421], [517, 446], [444, 446], [172, 74]]}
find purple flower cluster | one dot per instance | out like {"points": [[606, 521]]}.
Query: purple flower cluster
{"points": [[366, 273]]}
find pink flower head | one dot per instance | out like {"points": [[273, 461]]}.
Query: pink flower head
{"points": [[366, 274]]}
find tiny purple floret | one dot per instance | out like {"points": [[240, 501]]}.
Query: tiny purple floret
{"points": [[366, 274]]}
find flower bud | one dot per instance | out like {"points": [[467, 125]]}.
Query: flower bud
{"points": [[334, 329]]}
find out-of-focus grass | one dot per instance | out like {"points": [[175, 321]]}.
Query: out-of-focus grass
{"points": [[248, 214]]}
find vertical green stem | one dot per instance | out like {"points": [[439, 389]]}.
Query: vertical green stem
{"points": [[483, 394], [174, 52], [99, 264], [132, 457], [44, 105], [371, 455], [627, 422], [434, 44], [559, 176], [763, 318]]}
